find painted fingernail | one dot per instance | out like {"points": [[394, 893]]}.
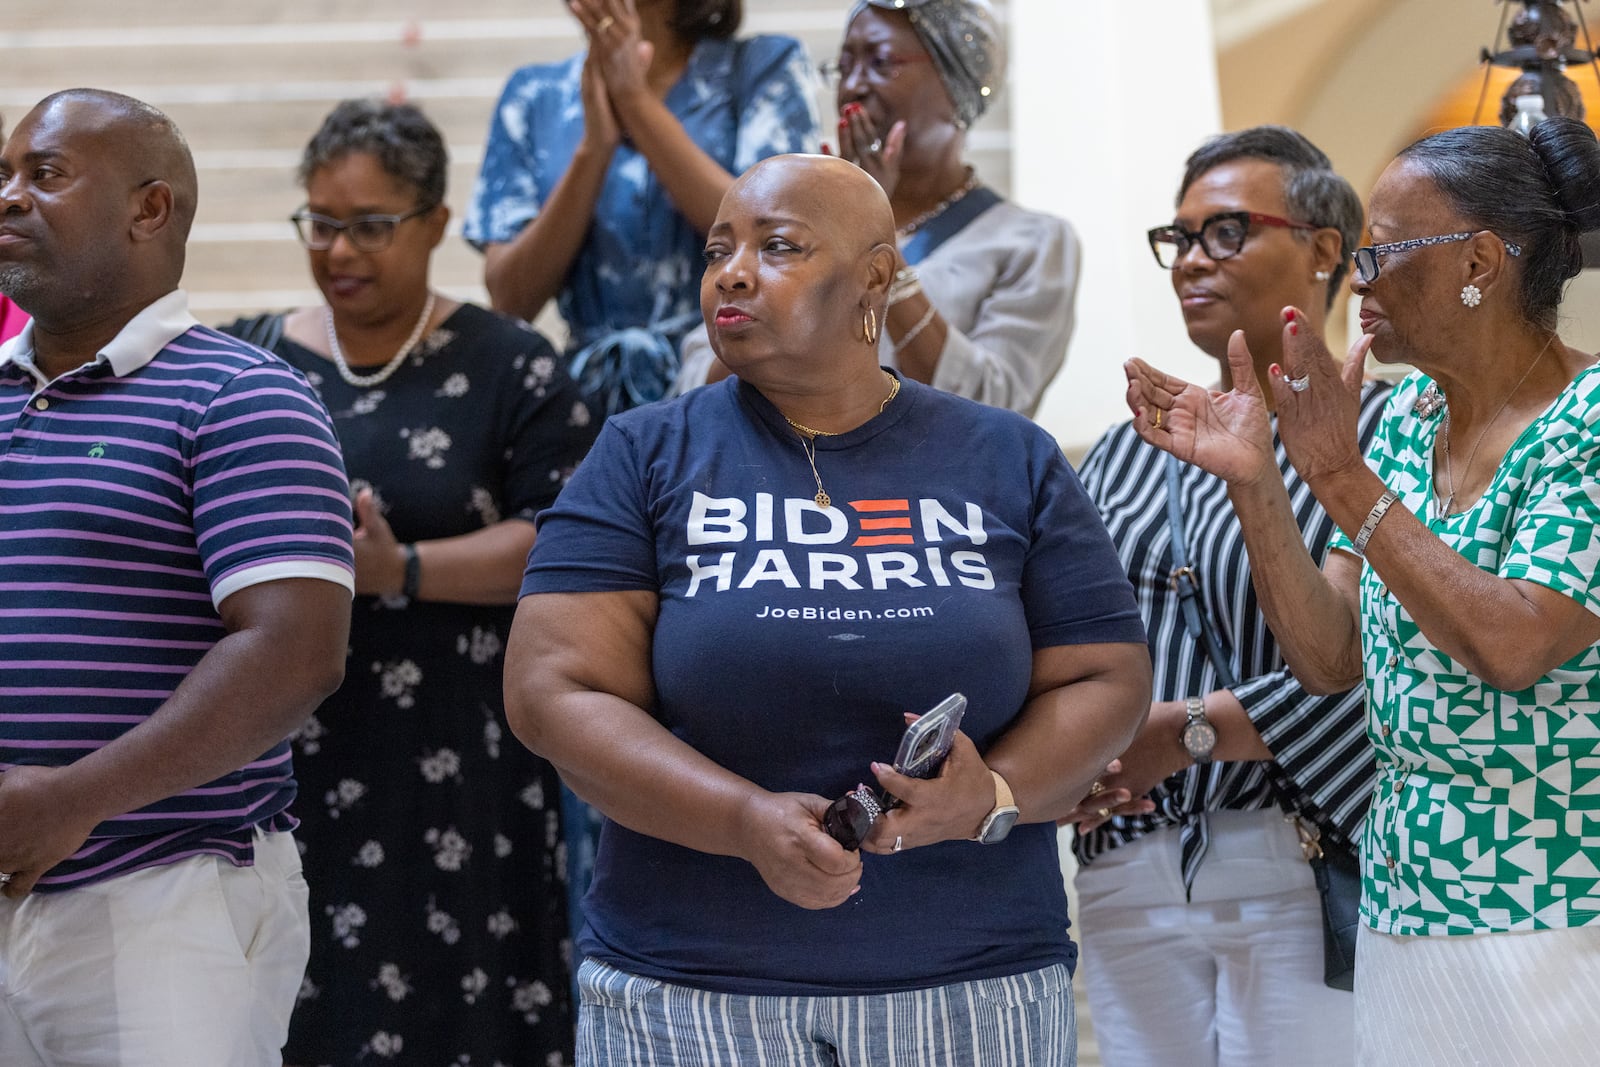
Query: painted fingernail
{"points": [[1294, 329], [1275, 370], [827, 149], [1288, 314]]}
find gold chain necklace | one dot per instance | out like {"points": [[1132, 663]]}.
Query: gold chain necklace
{"points": [[808, 440], [941, 207], [1444, 430]]}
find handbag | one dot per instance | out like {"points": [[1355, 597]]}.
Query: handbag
{"points": [[1337, 872]]}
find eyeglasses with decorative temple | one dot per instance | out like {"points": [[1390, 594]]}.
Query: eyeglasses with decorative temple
{"points": [[1221, 236], [1368, 267], [367, 233], [879, 67]]}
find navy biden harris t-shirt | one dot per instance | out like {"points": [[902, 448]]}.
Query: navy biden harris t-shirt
{"points": [[792, 638]]}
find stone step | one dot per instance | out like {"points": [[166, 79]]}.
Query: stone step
{"points": [[274, 65]]}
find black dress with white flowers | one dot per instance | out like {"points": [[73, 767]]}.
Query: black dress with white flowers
{"points": [[431, 836]]}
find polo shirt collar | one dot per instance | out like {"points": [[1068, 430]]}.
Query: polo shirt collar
{"points": [[161, 322]]}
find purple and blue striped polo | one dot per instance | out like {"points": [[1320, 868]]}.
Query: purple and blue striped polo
{"points": [[136, 494]]}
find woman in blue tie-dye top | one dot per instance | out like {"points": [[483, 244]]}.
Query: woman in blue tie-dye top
{"points": [[603, 172]]}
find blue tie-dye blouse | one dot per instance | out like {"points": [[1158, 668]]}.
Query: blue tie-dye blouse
{"points": [[634, 286]]}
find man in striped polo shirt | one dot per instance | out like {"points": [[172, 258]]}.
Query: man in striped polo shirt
{"points": [[175, 582]]}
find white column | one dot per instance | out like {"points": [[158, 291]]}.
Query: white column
{"points": [[1108, 99]]}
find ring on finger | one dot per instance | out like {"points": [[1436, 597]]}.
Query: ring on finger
{"points": [[1157, 423], [1104, 813], [899, 843], [1300, 384], [605, 24], [876, 146], [1096, 787], [6, 878]]}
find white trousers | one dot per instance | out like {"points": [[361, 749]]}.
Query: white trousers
{"points": [[1495, 1000], [1231, 978], [194, 964]]}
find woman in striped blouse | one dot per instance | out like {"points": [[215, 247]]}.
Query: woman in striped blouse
{"points": [[1463, 588], [1202, 928]]}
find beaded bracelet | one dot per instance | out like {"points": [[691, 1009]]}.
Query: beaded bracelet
{"points": [[1374, 517], [922, 324], [906, 285]]}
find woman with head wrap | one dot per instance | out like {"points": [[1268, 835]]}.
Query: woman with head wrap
{"points": [[982, 304]]}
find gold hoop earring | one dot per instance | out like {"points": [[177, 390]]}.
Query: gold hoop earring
{"points": [[869, 326]]}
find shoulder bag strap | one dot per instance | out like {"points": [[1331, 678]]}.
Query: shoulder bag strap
{"points": [[1198, 624], [1185, 581]]}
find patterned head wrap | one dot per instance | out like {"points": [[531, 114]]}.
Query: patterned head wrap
{"points": [[964, 40]]}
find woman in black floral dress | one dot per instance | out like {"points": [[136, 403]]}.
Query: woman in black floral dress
{"points": [[432, 840]]}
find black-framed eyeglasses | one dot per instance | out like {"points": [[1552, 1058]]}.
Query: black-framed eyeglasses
{"points": [[880, 67], [1368, 267], [368, 233], [1220, 237]]}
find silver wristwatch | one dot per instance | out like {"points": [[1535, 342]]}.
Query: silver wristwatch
{"points": [[1199, 736]]}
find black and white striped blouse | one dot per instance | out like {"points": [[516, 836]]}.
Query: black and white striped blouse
{"points": [[1320, 741]]}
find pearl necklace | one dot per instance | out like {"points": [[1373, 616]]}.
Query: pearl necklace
{"points": [[381, 375], [941, 207]]}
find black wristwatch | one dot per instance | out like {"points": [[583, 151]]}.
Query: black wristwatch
{"points": [[1199, 736]]}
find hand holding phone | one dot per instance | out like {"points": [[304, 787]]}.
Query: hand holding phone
{"points": [[923, 748]]}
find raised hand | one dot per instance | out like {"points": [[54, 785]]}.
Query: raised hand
{"points": [[620, 53], [1319, 420], [1228, 433], [858, 135], [600, 127]]}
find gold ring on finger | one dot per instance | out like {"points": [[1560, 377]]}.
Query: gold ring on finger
{"points": [[1097, 787], [1104, 813], [1157, 422], [605, 24]]}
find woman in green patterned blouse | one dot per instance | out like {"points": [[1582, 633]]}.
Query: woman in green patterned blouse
{"points": [[1464, 592]]}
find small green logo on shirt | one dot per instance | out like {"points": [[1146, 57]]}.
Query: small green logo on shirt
{"points": [[98, 450]]}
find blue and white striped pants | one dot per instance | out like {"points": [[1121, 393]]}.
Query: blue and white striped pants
{"points": [[1025, 1020]]}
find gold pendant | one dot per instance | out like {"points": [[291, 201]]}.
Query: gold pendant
{"points": [[823, 500]]}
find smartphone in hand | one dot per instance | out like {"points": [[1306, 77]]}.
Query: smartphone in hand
{"points": [[923, 748]]}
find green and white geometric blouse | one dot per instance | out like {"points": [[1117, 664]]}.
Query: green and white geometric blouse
{"points": [[1487, 811]]}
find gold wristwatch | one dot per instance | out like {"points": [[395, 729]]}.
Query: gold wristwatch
{"points": [[998, 823]]}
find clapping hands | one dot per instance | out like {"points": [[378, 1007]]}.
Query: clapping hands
{"points": [[618, 63]]}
